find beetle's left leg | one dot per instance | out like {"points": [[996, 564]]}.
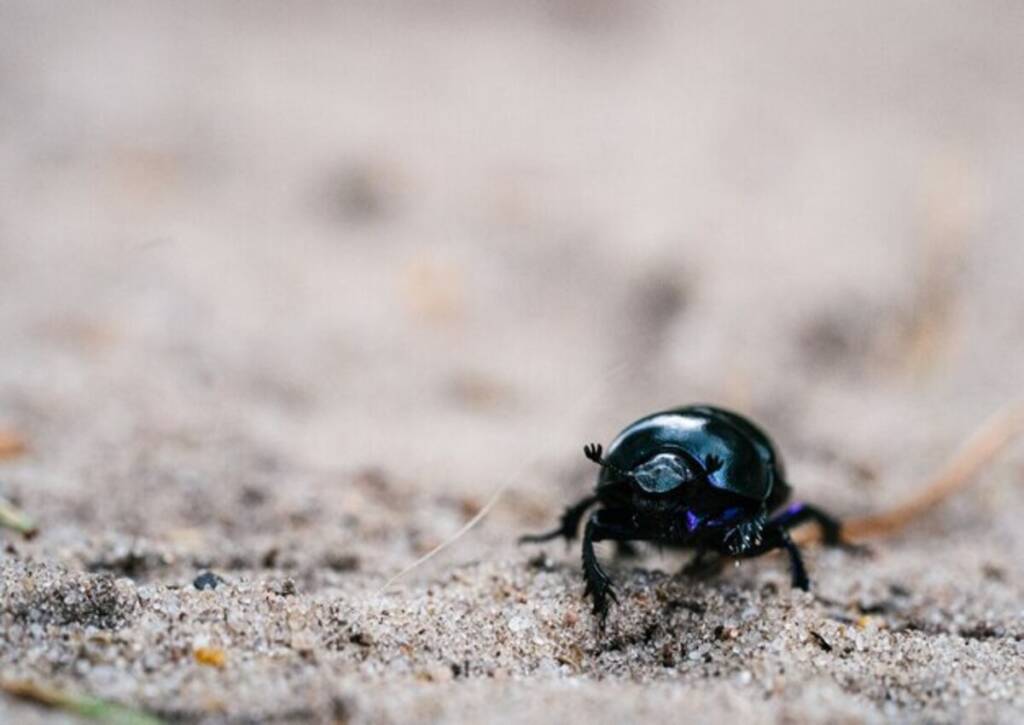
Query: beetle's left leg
{"points": [[569, 525]]}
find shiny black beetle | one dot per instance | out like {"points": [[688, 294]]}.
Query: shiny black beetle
{"points": [[696, 477]]}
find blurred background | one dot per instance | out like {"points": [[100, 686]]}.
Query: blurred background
{"points": [[449, 237], [285, 283]]}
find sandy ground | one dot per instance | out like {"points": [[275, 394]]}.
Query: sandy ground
{"points": [[287, 293]]}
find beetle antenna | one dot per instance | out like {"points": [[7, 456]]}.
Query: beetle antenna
{"points": [[594, 451]]}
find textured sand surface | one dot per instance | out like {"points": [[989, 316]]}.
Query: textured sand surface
{"points": [[288, 293]]}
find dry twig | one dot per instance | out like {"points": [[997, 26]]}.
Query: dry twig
{"points": [[14, 518], [988, 441], [82, 705]]}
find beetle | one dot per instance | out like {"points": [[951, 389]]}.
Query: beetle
{"points": [[694, 477]]}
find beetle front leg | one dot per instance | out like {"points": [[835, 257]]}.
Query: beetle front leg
{"points": [[774, 537], [598, 585], [607, 524], [798, 573]]}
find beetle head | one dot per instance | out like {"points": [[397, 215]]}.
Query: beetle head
{"points": [[663, 474]]}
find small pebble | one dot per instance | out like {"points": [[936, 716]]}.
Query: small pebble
{"points": [[519, 623], [210, 656], [207, 580]]}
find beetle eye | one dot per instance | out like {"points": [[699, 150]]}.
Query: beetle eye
{"points": [[663, 473]]}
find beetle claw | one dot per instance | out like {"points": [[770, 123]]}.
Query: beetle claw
{"points": [[602, 594]]}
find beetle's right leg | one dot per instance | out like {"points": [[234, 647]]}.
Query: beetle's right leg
{"points": [[606, 524], [569, 526]]}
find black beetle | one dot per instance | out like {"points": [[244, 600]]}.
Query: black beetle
{"points": [[696, 477]]}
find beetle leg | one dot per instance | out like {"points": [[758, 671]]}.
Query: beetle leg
{"points": [[606, 524], [800, 513], [796, 562], [569, 526], [831, 528], [776, 537], [746, 535]]}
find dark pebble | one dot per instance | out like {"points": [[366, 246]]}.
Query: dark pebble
{"points": [[207, 580]]}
